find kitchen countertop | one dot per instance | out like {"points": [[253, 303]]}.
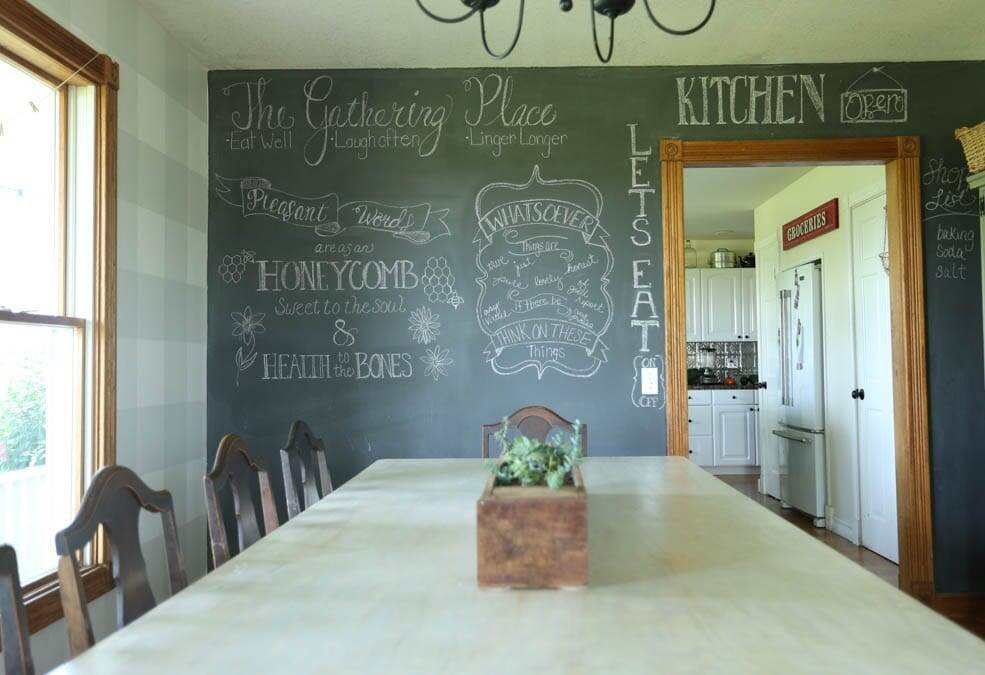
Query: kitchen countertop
{"points": [[723, 386]]}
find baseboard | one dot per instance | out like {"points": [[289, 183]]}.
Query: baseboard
{"points": [[732, 470], [844, 529], [959, 606]]}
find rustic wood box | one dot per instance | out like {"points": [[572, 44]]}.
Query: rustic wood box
{"points": [[533, 537]]}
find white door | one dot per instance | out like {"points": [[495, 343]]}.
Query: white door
{"points": [[692, 303], [721, 298], [873, 377], [767, 302], [733, 429], [749, 324]]}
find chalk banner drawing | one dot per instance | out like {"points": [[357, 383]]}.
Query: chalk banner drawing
{"points": [[875, 96], [328, 216], [544, 264]]}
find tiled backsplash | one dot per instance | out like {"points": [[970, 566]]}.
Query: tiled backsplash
{"points": [[731, 358]]}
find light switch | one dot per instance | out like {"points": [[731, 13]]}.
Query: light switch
{"points": [[650, 382]]}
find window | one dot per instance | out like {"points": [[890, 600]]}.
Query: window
{"points": [[41, 343], [57, 293]]}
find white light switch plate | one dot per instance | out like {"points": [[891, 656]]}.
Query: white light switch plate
{"points": [[650, 382]]}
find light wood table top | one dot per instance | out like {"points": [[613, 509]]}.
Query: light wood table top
{"points": [[686, 575]]}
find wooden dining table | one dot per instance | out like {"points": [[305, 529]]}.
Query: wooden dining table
{"points": [[686, 575]]}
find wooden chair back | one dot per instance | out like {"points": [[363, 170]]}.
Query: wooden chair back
{"points": [[534, 421], [114, 500], [305, 468], [234, 469], [14, 634]]}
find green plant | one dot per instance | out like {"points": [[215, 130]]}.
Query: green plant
{"points": [[528, 461], [22, 419]]}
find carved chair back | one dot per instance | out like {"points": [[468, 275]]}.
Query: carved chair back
{"points": [[234, 470], [305, 468], [15, 638], [114, 500], [534, 421]]}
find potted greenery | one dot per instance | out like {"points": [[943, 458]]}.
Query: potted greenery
{"points": [[532, 517]]}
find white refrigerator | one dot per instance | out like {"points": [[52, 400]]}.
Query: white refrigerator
{"points": [[802, 466]]}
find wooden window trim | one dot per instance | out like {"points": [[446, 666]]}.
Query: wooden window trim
{"points": [[901, 157], [35, 41]]}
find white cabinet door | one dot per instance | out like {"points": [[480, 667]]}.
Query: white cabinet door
{"points": [[692, 302], [702, 450], [721, 300], [748, 323], [754, 434], [733, 431]]}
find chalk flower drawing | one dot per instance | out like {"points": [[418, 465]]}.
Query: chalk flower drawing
{"points": [[439, 283], [437, 361], [246, 326], [232, 267], [424, 326]]}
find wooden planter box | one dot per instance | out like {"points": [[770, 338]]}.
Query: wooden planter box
{"points": [[533, 537]]}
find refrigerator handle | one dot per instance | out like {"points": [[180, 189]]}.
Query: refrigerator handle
{"points": [[784, 348]]}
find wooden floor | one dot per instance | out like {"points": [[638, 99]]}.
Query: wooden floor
{"points": [[875, 563]]}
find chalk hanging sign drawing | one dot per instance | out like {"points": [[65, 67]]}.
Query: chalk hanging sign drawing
{"points": [[328, 215], [875, 96], [544, 264]]}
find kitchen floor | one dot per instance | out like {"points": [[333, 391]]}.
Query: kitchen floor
{"points": [[875, 563]]}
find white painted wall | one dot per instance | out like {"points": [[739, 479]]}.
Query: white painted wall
{"points": [[835, 252], [163, 168]]}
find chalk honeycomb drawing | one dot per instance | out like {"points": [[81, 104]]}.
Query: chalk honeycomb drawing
{"points": [[439, 283], [232, 267]]}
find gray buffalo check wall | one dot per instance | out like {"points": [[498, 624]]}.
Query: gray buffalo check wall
{"points": [[162, 275]]}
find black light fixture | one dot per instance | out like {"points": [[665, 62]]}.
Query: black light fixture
{"points": [[612, 9]]}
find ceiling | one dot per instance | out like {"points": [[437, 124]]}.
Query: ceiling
{"points": [[719, 203], [395, 34]]}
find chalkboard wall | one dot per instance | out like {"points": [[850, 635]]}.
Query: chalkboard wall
{"points": [[397, 256]]}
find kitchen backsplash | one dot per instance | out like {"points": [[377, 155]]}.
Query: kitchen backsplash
{"points": [[731, 358]]}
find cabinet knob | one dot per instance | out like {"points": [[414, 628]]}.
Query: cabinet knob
{"points": [[690, 422]]}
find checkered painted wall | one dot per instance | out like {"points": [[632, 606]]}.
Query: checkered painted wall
{"points": [[163, 166]]}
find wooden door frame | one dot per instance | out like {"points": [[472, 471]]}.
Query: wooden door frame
{"points": [[901, 157]]}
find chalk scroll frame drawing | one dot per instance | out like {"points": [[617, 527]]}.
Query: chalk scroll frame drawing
{"points": [[544, 264], [901, 156], [328, 216]]}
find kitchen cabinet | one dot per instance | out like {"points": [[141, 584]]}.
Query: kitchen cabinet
{"points": [[721, 305], [692, 304], [748, 323], [721, 298], [733, 433], [723, 427]]}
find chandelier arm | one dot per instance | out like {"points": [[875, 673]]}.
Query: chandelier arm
{"points": [[595, 36], [674, 31], [516, 36], [443, 19]]}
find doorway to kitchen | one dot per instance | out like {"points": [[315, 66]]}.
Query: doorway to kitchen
{"points": [[789, 352], [901, 295]]}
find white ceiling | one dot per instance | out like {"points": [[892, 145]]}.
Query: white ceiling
{"points": [[395, 34], [719, 203]]}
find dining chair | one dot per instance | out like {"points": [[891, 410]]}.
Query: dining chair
{"points": [[534, 421], [311, 481], [15, 638], [114, 500], [234, 469]]}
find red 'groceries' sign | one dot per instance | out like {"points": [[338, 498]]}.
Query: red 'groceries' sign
{"points": [[812, 224]]}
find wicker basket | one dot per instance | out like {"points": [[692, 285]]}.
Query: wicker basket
{"points": [[973, 142]]}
